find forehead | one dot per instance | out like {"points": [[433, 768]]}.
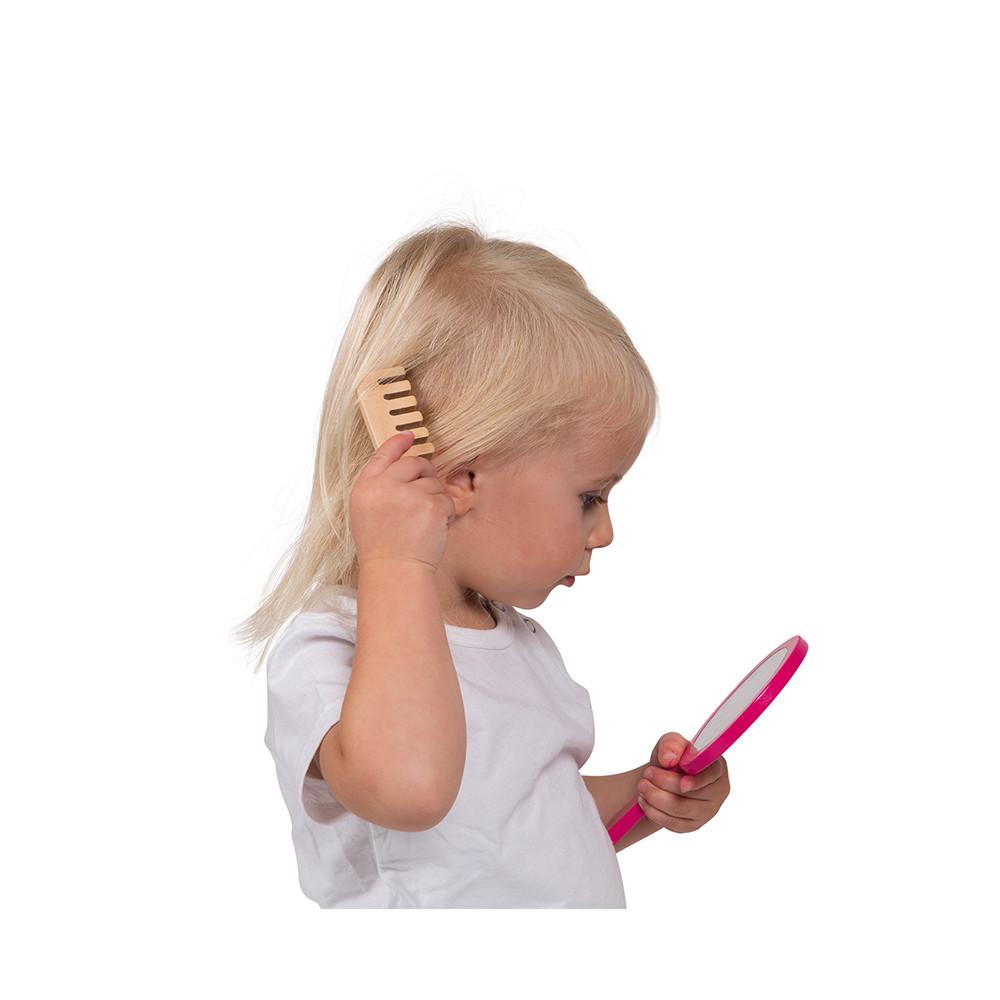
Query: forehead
{"points": [[603, 459], [593, 457]]}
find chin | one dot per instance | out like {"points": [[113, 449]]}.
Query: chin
{"points": [[536, 603], [525, 603]]}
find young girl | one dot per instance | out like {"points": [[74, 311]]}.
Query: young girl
{"points": [[427, 736]]}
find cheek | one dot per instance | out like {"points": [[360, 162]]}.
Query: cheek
{"points": [[546, 532], [566, 533]]}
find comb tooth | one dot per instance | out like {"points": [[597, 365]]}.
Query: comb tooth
{"points": [[411, 422], [418, 432], [380, 377], [377, 385], [393, 388], [395, 405], [424, 448]]}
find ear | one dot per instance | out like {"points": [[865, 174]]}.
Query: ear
{"points": [[462, 486]]}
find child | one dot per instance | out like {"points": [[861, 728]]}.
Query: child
{"points": [[427, 736]]}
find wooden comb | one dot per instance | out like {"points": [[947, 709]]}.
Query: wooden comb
{"points": [[385, 414]]}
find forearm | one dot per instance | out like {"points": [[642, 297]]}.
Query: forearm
{"points": [[403, 715], [612, 793]]}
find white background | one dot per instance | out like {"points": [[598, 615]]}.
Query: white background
{"points": [[793, 209]]}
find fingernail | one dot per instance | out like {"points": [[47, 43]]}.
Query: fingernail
{"points": [[669, 758], [648, 773]]}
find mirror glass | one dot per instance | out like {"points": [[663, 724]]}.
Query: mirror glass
{"points": [[738, 702]]}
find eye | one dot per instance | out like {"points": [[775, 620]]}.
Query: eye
{"points": [[589, 499]]}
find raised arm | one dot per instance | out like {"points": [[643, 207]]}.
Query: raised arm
{"points": [[397, 755]]}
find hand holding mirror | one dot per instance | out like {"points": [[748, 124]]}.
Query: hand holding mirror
{"points": [[729, 721]]}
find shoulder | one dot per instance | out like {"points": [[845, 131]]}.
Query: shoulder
{"points": [[313, 645], [547, 645]]}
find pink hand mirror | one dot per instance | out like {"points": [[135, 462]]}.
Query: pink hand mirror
{"points": [[729, 721]]}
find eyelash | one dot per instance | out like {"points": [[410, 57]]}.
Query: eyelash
{"points": [[591, 497]]}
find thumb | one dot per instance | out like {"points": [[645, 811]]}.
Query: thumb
{"points": [[390, 450], [669, 749]]}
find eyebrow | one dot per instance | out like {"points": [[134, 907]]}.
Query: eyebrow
{"points": [[613, 478]]}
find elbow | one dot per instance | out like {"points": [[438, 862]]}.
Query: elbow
{"points": [[424, 792], [427, 804], [401, 799], [410, 796], [387, 795]]}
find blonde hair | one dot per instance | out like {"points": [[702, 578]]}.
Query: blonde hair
{"points": [[508, 353]]}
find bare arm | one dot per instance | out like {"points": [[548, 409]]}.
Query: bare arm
{"points": [[401, 735]]}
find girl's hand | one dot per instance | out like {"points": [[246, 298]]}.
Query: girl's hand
{"points": [[677, 801], [399, 508]]}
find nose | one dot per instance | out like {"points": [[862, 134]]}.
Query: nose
{"points": [[603, 533]]}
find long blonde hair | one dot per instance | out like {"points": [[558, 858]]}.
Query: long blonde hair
{"points": [[508, 353]]}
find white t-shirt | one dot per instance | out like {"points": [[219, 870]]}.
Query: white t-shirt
{"points": [[524, 830]]}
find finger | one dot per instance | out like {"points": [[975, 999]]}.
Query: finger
{"points": [[412, 468], [701, 780], [688, 785], [429, 484], [388, 452], [677, 824], [449, 507], [670, 748], [677, 806]]}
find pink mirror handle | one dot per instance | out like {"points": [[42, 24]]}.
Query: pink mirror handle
{"points": [[625, 822]]}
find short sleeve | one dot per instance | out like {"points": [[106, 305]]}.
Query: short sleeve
{"points": [[576, 694], [307, 675]]}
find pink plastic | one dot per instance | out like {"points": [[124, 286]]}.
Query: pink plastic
{"points": [[692, 761]]}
